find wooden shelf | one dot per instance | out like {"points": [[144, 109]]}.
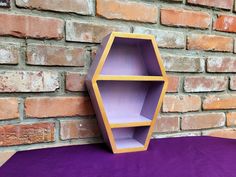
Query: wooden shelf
{"points": [[127, 83], [129, 121], [130, 78]]}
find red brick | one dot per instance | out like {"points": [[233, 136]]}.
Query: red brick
{"points": [[231, 119], [75, 81], [223, 133], [203, 121], [225, 23], [58, 107], [167, 124], [8, 108], [164, 38], [185, 18], [221, 64], [79, 31], [28, 81], [30, 26], [26, 133], [173, 83], [84, 7], [205, 83], [73, 129], [175, 63], [181, 103], [233, 82], [56, 55], [117, 9], [214, 102], [9, 53], [209, 43], [225, 4]]}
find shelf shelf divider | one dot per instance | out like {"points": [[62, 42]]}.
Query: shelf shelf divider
{"points": [[130, 78]]}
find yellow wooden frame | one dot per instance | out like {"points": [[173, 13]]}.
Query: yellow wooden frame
{"points": [[97, 77]]}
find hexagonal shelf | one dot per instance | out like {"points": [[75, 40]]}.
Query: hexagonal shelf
{"points": [[127, 83]]}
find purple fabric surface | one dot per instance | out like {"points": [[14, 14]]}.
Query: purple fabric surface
{"points": [[170, 157]]}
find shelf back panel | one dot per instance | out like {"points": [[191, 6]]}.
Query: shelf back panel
{"points": [[131, 57], [122, 98]]}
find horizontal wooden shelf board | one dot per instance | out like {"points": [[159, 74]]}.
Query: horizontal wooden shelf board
{"points": [[130, 78], [128, 121], [131, 124]]}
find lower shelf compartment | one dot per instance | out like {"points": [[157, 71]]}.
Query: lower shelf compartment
{"points": [[131, 137], [128, 143]]}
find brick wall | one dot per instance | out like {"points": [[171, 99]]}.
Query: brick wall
{"points": [[46, 48]]}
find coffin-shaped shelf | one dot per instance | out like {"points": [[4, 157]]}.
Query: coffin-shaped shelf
{"points": [[127, 83]]}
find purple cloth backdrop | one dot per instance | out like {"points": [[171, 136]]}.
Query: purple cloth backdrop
{"points": [[170, 157]]}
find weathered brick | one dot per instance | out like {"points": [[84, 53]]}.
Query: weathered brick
{"points": [[167, 124], [8, 108], [209, 43], [205, 83], [235, 42], [118, 9], [232, 84], [93, 52], [56, 55], [225, 23], [165, 39], [79, 31], [185, 18], [231, 119], [72, 129], [223, 133], [26, 133], [28, 81], [84, 7], [214, 102], [221, 64], [181, 103], [173, 83], [9, 53], [75, 81], [176, 63], [58, 107], [31, 26], [225, 4], [203, 121], [5, 3]]}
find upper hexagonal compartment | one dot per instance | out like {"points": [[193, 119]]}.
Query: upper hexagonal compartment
{"points": [[131, 57]]}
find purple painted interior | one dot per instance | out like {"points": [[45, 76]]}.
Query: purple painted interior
{"points": [[131, 57], [131, 137], [152, 99], [130, 101]]}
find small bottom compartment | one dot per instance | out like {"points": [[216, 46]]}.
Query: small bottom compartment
{"points": [[132, 137]]}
